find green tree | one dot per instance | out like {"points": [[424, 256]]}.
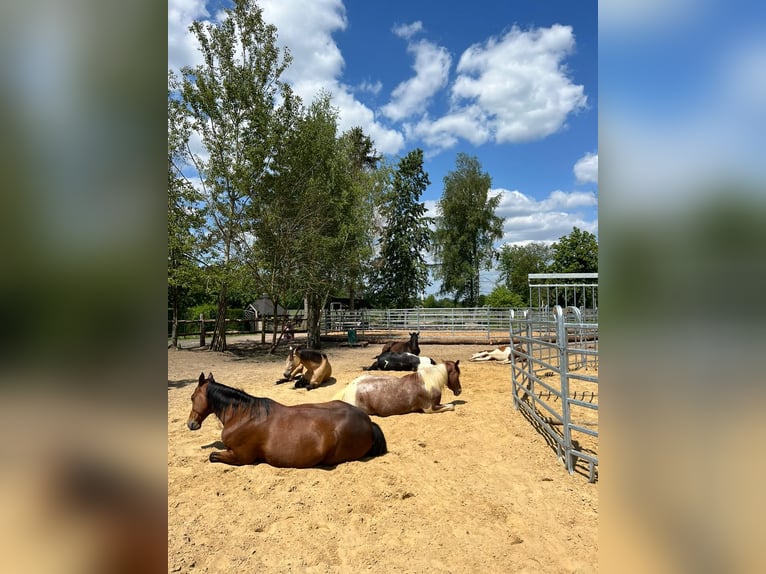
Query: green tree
{"points": [[401, 271], [501, 296], [184, 218], [368, 179], [319, 215], [516, 262], [575, 253], [466, 229], [232, 100]]}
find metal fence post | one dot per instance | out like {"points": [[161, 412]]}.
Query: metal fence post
{"points": [[561, 344]]}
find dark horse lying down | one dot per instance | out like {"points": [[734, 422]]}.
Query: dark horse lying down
{"points": [[410, 346], [262, 430], [399, 362]]}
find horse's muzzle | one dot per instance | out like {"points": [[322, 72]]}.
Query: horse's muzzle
{"points": [[193, 425], [457, 392]]}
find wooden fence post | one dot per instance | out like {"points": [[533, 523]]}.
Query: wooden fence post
{"points": [[201, 329]]}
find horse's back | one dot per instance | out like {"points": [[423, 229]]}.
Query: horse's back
{"points": [[339, 432], [312, 355], [393, 361], [386, 395]]}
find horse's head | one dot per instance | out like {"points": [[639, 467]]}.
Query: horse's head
{"points": [[414, 346], [292, 361], [200, 406], [453, 377]]}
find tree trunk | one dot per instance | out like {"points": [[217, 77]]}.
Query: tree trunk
{"points": [[174, 330], [313, 329], [218, 342]]}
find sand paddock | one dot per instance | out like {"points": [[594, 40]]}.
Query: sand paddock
{"points": [[472, 490]]}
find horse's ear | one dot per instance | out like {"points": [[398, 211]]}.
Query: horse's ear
{"points": [[201, 379], [210, 378], [457, 362]]}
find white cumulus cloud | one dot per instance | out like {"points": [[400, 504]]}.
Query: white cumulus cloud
{"points": [[406, 31], [586, 168], [521, 82], [432, 64]]}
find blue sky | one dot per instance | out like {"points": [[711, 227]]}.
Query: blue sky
{"points": [[511, 83]]}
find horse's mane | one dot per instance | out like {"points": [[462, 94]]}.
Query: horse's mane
{"points": [[434, 376], [220, 397]]}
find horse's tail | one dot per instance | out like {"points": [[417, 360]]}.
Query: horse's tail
{"points": [[379, 446]]}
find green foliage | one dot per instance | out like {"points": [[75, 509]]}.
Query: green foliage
{"points": [[209, 311], [501, 296], [466, 229], [401, 271], [516, 262], [314, 226], [236, 103], [431, 302], [575, 253], [184, 219]]}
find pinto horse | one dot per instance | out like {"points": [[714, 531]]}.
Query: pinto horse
{"points": [[410, 346], [262, 430], [386, 395], [399, 362], [316, 364]]}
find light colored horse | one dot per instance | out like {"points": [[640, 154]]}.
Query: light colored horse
{"points": [[315, 363], [501, 354], [386, 395]]}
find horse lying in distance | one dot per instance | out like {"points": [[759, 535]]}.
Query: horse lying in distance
{"points": [[501, 354], [386, 395], [399, 362], [258, 429], [410, 346], [316, 364]]}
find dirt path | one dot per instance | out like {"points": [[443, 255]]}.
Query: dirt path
{"points": [[473, 490]]}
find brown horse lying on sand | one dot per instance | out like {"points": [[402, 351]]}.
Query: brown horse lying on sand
{"points": [[262, 430], [410, 346], [316, 364], [386, 395]]}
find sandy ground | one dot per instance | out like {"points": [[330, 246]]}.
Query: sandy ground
{"points": [[472, 490]]}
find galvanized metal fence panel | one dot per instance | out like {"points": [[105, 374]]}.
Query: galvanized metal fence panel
{"points": [[480, 323], [554, 375]]}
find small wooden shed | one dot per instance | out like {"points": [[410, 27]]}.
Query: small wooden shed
{"points": [[262, 309]]}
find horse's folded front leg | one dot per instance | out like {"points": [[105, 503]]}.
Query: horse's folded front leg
{"points": [[301, 383], [225, 456], [440, 408]]}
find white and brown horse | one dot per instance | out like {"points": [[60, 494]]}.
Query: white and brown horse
{"points": [[386, 395], [309, 368]]}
